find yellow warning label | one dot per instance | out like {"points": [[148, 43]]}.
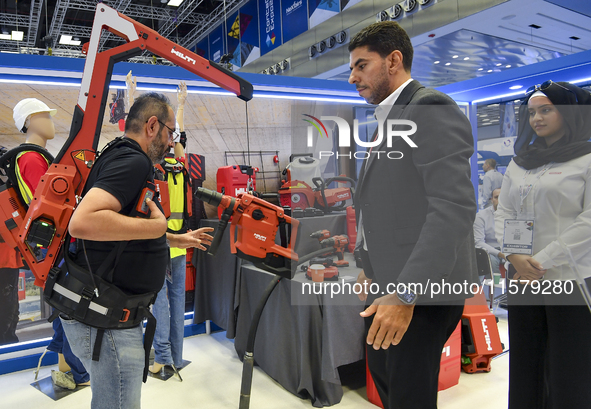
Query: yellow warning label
{"points": [[80, 156]]}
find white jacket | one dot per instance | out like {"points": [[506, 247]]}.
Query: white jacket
{"points": [[560, 205]]}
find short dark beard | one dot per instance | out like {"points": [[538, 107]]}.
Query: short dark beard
{"points": [[381, 87], [156, 149]]}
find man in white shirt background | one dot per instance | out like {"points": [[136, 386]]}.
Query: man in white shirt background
{"points": [[484, 232], [492, 180]]}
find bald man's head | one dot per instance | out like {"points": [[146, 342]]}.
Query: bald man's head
{"points": [[495, 198], [489, 164]]}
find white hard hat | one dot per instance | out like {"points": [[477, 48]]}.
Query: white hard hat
{"points": [[26, 108]]}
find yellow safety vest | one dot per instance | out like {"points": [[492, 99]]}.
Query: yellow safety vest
{"points": [[176, 192], [23, 188]]}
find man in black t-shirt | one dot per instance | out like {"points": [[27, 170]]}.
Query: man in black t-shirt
{"points": [[102, 220]]}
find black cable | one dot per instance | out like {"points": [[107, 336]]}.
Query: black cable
{"points": [[89, 269], [247, 134], [46, 23], [18, 43], [152, 13], [225, 28]]}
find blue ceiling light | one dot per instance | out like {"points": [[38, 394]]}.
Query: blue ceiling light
{"points": [[497, 97], [583, 80]]}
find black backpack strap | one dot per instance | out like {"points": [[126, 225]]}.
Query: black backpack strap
{"points": [[10, 156], [53, 315], [111, 260], [187, 180], [8, 165], [148, 337], [148, 340], [88, 294], [98, 342]]}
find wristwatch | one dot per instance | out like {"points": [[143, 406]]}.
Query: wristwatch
{"points": [[408, 297]]}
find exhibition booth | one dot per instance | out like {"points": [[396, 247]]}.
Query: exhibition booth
{"points": [[313, 335]]}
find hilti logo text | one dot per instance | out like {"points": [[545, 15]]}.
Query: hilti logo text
{"points": [[343, 196], [260, 237], [486, 335], [183, 56]]}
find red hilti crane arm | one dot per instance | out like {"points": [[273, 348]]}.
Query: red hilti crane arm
{"points": [[45, 223], [98, 69]]}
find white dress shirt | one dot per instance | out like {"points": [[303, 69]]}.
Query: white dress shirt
{"points": [[381, 114], [484, 231], [492, 180], [560, 205]]}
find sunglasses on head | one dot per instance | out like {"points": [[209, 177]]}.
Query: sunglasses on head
{"points": [[544, 86]]}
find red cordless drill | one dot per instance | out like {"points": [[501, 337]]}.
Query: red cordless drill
{"points": [[320, 235], [339, 243]]}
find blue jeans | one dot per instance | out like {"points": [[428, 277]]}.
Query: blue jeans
{"points": [[59, 343], [495, 261], [169, 310], [116, 378]]}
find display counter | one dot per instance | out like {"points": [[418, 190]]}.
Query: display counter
{"points": [[303, 336]]}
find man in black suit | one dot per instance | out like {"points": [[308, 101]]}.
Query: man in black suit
{"points": [[416, 205]]}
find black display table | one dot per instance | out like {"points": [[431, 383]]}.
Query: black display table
{"points": [[301, 340]]}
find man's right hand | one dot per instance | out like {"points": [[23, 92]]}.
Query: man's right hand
{"points": [[365, 283], [527, 267], [157, 215]]}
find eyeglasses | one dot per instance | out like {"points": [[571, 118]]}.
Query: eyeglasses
{"points": [[171, 132], [545, 85]]}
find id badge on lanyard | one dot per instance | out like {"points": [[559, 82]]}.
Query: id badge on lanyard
{"points": [[518, 237]]}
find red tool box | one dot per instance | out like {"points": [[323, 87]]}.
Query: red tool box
{"points": [[233, 180], [480, 335], [449, 372]]}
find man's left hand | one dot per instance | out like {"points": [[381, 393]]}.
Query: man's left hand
{"points": [[198, 239], [390, 323]]}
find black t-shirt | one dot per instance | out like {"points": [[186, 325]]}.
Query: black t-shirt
{"points": [[122, 171]]}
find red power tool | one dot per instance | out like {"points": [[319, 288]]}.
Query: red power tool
{"points": [[331, 272], [480, 335], [298, 194], [46, 220], [255, 224], [339, 243], [320, 235], [235, 179]]}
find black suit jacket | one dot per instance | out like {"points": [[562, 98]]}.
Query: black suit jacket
{"points": [[418, 211]]}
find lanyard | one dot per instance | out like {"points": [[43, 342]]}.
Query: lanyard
{"points": [[524, 189]]}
